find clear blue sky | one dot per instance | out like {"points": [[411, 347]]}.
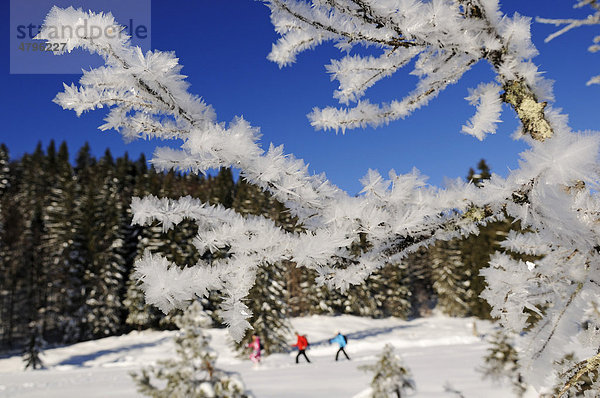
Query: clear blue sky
{"points": [[223, 47]]}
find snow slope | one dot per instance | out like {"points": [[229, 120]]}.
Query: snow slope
{"points": [[437, 349]]}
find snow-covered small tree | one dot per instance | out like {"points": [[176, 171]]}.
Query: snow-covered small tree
{"points": [[391, 377], [34, 347], [192, 374], [501, 362]]}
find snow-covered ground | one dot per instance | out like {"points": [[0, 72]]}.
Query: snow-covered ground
{"points": [[438, 350]]}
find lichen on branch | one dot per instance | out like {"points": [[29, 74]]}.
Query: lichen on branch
{"points": [[529, 109]]}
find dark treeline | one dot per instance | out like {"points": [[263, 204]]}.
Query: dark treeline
{"points": [[67, 249], [67, 245]]}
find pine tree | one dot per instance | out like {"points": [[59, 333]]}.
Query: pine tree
{"points": [[5, 280], [105, 274], [31, 253], [58, 242], [13, 281], [391, 377], [141, 315], [419, 268], [479, 177], [83, 245], [222, 188], [4, 169], [127, 173], [477, 249], [390, 289], [451, 279], [356, 300], [193, 373], [297, 287], [266, 299], [385, 293], [269, 316], [501, 362]]}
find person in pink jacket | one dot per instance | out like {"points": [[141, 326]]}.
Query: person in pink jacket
{"points": [[256, 347]]}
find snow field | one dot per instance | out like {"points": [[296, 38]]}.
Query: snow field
{"points": [[437, 350]]}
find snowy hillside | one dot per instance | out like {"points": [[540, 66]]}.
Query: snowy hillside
{"points": [[438, 350]]}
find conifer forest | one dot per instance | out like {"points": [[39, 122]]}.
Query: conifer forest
{"points": [[68, 249]]}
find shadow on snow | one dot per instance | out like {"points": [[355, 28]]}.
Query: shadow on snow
{"points": [[363, 334], [79, 360]]}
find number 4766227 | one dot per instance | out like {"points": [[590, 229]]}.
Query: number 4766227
{"points": [[42, 46]]}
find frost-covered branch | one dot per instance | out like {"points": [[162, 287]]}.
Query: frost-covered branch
{"points": [[553, 193], [571, 23], [445, 37]]}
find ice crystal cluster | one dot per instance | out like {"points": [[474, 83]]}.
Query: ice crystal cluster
{"points": [[553, 193]]}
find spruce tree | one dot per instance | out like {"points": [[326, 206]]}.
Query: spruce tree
{"points": [[385, 293], [266, 299], [299, 287], [390, 288], [356, 300], [501, 362], [478, 177], [4, 248], [422, 295], [13, 281], [177, 244], [58, 241], [222, 188], [31, 253], [127, 174], [269, 316], [4, 169], [83, 246], [451, 278], [139, 314], [192, 374], [391, 377], [105, 273], [477, 249]]}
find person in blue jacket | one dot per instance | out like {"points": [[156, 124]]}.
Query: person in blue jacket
{"points": [[342, 341]]}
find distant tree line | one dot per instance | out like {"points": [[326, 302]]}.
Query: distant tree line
{"points": [[67, 249]]}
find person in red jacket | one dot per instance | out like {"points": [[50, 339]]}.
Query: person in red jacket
{"points": [[302, 345]]}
